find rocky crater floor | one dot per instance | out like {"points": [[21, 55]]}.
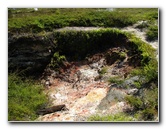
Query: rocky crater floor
{"points": [[84, 87], [96, 85], [84, 90]]}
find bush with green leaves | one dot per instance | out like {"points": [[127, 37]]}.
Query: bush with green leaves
{"points": [[25, 97]]}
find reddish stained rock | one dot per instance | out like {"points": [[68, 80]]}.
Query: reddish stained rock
{"points": [[83, 99]]}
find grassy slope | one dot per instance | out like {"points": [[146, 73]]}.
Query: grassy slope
{"points": [[27, 20]]}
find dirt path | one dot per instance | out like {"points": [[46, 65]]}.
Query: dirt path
{"points": [[142, 35]]}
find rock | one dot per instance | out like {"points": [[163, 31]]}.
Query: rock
{"points": [[130, 81], [47, 83], [113, 96], [132, 91], [51, 109], [30, 53], [94, 65], [58, 96]]}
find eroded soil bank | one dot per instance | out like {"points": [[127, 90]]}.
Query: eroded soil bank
{"points": [[94, 79]]}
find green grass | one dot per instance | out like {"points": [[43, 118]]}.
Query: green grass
{"points": [[134, 101], [116, 80], [120, 117], [47, 19], [146, 105], [24, 98], [152, 33]]}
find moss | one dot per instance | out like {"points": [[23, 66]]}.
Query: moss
{"points": [[80, 43], [77, 44]]}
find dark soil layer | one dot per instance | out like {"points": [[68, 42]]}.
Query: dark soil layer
{"points": [[32, 53]]}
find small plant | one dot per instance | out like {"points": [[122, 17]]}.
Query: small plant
{"points": [[137, 84], [57, 60], [103, 71], [122, 55], [116, 80]]}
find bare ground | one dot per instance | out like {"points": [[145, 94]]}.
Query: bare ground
{"points": [[84, 92]]}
